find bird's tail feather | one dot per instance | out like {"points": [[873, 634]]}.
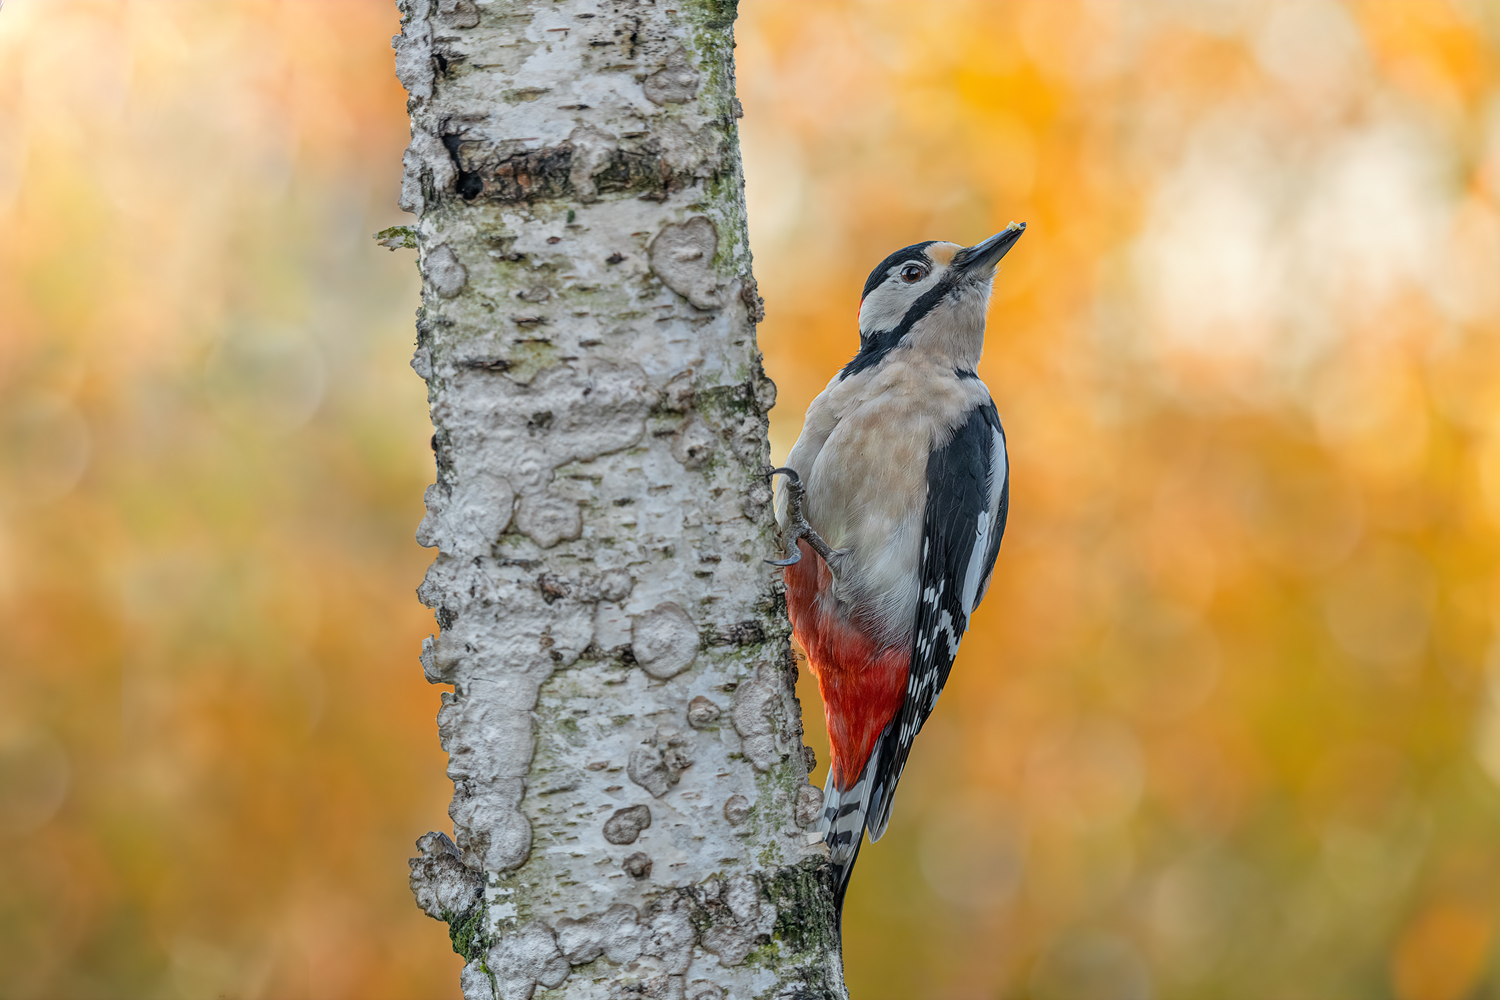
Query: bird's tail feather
{"points": [[844, 816], [843, 887], [892, 757]]}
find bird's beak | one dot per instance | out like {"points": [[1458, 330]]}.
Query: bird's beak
{"points": [[980, 257]]}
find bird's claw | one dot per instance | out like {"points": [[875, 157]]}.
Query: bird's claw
{"points": [[797, 527], [793, 514]]}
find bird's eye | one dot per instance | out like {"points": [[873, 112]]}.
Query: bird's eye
{"points": [[911, 273]]}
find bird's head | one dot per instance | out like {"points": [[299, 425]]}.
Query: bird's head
{"points": [[931, 296]]}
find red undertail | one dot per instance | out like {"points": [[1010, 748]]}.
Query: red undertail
{"points": [[862, 683]]}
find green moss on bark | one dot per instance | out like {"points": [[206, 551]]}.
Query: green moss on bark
{"points": [[466, 931]]}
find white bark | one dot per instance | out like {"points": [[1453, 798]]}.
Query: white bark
{"points": [[630, 782]]}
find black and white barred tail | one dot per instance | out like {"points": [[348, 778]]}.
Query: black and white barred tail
{"points": [[844, 818]]}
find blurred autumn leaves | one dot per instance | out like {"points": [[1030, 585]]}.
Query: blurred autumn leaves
{"points": [[1229, 721], [214, 747], [1224, 725]]}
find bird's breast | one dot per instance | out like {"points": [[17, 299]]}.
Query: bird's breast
{"points": [[867, 485]]}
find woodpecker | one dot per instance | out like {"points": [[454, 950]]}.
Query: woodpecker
{"points": [[891, 510]]}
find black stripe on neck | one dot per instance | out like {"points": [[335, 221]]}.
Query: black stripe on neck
{"points": [[874, 347]]}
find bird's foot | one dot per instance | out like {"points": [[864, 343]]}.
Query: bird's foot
{"points": [[796, 526]]}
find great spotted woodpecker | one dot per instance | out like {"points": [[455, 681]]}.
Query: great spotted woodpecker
{"points": [[891, 511]]}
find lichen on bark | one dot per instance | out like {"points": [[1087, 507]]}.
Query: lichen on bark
{"points": [[623, 737]]}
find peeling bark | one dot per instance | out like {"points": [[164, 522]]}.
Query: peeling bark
{"points": [[630, 785]]}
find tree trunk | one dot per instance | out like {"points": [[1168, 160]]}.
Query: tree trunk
{"points": [[630, 786]]}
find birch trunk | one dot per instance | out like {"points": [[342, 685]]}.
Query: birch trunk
{"points": [[630, 785]]}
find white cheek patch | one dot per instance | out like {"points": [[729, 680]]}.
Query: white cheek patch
{"points": [[886, 306], [882, 309]]}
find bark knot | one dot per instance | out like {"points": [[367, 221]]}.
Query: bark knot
{"points": [[809, 805], [445, 888], [658, 764], [702, 712], [444, 272], [637, 865], [458, 13], [756, 707], [674, 83], [682, 257], [736, 809], [626, 824], [664, 641]]}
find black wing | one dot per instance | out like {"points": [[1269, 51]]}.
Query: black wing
{"points": [[968, 496]]}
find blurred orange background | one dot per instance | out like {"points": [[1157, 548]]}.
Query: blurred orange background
{"points": [[1229, 721]]}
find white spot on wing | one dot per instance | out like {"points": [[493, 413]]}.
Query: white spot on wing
{"points": [[946, 624], [975, 571], [999, 467]]}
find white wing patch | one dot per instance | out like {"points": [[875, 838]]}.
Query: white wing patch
{"points": [[999, 467], [979, 564], [975, 571]]}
